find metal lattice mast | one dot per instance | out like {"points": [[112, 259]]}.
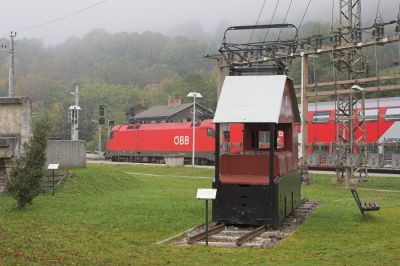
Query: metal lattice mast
{"points": [[349, 64]]}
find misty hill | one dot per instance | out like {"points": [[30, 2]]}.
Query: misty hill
{"points": [[123, 71]]}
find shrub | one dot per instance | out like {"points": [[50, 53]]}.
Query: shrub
{"points": [[25, 179]]}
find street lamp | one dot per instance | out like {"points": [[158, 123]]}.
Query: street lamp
{"points": [[194, 95], [356, 87]]}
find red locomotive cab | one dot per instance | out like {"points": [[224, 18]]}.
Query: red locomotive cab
{"points": [[258, 184]]}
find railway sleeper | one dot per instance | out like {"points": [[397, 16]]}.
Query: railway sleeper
{"points": [[250, 236]]}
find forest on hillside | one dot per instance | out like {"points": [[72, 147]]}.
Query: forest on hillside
{"points": [[129, 72]]}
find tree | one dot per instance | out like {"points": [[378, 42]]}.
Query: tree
{"points": [[25, 180]]}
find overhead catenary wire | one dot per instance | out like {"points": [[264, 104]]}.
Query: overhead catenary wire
{"points": [[286, 15], [377, 11], [272, 18], [304, 15], [258, 19], [62, 17]]}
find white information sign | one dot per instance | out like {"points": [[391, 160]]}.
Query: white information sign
{"points": [[206, 193], [53, 166]]}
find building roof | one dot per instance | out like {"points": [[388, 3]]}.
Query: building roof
{"points": [[254, 99], [165, 111]]}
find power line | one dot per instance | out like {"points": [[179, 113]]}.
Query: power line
{"points": [[63, 17], [305, 13], [378, 11], [284, 21], [258, 19], [272, 18]]}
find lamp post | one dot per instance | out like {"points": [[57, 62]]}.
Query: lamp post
{"points": [[194, 95]]}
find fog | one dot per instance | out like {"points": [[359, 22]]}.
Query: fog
{"points": [[160, 15]]}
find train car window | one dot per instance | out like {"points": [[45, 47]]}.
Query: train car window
{"points": [[371, 112], [131, 127], [395, 112], [321, 117], [210, 132], [263, 139], [226, 132]]}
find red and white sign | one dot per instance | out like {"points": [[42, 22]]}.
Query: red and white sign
{"points": [[181, 140]]}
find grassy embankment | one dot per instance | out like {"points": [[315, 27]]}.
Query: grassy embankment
{"points": [[115, 215]]}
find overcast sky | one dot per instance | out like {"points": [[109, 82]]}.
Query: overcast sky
{"points": [[157, 15]]}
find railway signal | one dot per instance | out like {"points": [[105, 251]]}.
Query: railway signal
{"points": [[102, 121]]}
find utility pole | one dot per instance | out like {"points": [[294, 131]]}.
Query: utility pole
{"points": [[304, 113], [11, 65], [99, 144], [74, 115]]}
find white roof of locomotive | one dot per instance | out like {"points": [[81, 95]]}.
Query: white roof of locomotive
{"points": [[250, 99]]}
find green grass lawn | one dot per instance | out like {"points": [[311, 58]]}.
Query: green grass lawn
{"points": [[114, 215]]}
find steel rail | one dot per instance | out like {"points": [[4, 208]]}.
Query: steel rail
{"points": [[202, 235], [243, 239]]}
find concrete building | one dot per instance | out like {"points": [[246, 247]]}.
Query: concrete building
{"points": [[15, 129]]}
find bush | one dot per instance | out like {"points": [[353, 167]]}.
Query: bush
{"points": [[25, 179]]}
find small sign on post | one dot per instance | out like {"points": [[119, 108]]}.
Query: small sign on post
{"points": [[53, 167], [206, 194]]}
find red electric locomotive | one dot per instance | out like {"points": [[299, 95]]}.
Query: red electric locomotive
{"points": [[259, 184], [151, 143]]}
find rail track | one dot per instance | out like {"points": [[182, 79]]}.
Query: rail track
{"points": [[250, 236]]}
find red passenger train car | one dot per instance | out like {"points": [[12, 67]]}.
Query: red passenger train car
{"points": [[382, 125], [151, 143]]}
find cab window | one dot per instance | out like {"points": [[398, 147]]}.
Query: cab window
{"points": [[263, 139], [210, 132]]}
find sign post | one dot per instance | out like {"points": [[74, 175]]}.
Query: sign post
{"points": [[53, 167], [206, 194]]}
